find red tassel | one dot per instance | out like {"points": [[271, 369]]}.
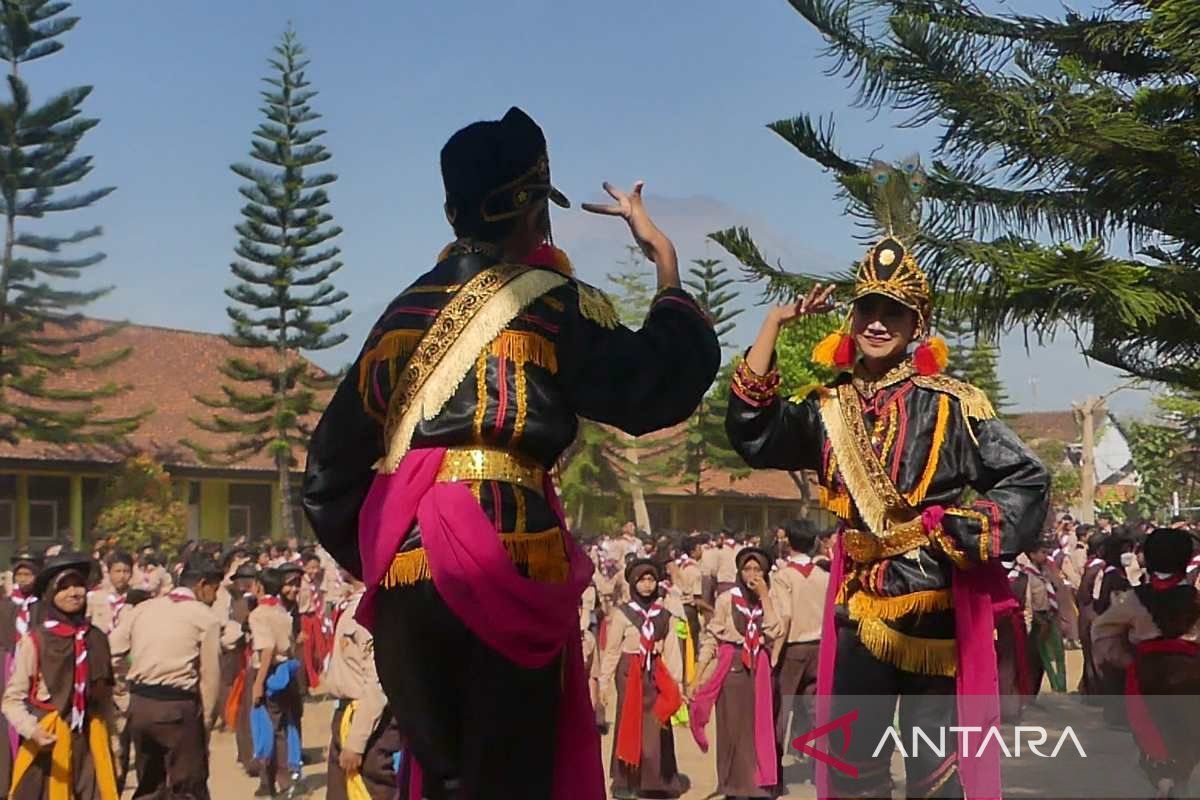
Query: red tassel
{"points": [[843, 357], [925, 361]]}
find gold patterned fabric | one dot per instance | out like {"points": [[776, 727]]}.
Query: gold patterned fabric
{"points": [[487, 464]]}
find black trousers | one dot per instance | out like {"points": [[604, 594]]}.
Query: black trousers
{"points": [[480, 727], [871, 687], [172, 747]]}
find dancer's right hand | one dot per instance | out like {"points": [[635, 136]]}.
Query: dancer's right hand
{"points": [[817, 301], [42, 737]]}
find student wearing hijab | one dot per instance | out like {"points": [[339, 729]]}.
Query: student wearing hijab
{"points": [[642, 654], [59, 698], [735, 676]]}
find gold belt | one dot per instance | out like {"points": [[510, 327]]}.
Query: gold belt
{"points": [[488, 464], [864, 547]]}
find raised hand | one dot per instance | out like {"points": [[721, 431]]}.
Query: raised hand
{"points": [[817, 301], [629, 207]]}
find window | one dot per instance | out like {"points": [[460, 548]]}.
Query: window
{"points": [[49, 507], [255, 498], [239, 521], [93, 504]]}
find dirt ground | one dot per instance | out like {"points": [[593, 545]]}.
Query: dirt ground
{"points": [[1111, 763]]}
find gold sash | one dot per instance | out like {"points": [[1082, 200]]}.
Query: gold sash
{"points": [[474, 316], [879, 503]]}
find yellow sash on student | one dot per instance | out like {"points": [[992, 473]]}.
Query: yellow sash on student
{"points": [[61, 781], [356, 789]]}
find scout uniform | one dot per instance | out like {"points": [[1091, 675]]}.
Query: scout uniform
{"points": [[16, 613], [232, 609], [62, 683], [710, 560], [691, 588], [1089, 680], [271, 629], [174, 649], [468, 389], [361, 723], [643, 657], [798, 590], [895, 454], [1045, 588], [1152, 634]]}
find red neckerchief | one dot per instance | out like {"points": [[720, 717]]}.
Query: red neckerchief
{"points": [[181, 595], [341, 607], [685, 561], [79, 693], [752, 642], [116, 604], [22, 602], [269, 600], [1095, 562], [1161, 581], [646, 629], [802, 564]]}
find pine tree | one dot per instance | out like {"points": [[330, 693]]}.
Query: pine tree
{"points": [[285, 301], [710, 282], [980, 368], [40, 173], [631, 288], [1064, 144]]}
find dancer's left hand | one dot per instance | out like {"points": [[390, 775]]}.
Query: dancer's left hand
{"points": [[351, 763]]}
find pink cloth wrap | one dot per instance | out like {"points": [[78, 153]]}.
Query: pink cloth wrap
{"points": [[767, 769], [526, 621], [978, 683]]}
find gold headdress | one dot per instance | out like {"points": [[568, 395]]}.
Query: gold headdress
{"points": [[889, 268]]}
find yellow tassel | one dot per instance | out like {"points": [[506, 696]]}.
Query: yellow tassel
{"points": [[837, 503], [823, 353], [909, 653], [864, 605], [940, 351], [525, 347], [543, 554], [917, 495]]}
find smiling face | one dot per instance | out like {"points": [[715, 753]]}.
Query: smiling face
{"points": [[291, 588], [882, 330], [71, 593]]}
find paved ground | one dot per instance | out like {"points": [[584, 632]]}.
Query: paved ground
{"points": [[1110, 769]]}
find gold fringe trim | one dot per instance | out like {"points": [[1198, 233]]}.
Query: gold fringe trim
{"points": [[542, 554], [837, 504], [917, 495], [554, 304], [909, 653], [526, 347], [462, 330], [864, 605], [972, 400], [595, 305], [858, 480], [390, 347]]}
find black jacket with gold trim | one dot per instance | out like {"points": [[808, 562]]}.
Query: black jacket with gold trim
{"points": [[938, 441], [563, 356]]}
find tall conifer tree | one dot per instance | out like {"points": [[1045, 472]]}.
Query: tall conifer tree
{"points": [[40, 175], [286, 303]]}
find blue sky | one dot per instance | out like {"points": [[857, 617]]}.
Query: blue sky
{"points": [[676, 93]]}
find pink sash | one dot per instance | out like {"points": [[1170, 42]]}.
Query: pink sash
{"points": [[526, 621], [767, 771], [978, 683]]}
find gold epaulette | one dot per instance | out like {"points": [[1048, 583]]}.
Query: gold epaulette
{"points": [[974, 402], [804, 392], [596, 306]]}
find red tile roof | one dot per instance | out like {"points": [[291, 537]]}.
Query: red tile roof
{"points": [[1058, 426], [763, 484], [166, 369]]}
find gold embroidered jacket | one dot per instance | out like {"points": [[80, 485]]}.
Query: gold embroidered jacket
{"points": [[559, 355], [935, 442]]}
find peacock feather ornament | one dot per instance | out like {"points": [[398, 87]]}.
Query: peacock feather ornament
{"points": [[889, 268]]}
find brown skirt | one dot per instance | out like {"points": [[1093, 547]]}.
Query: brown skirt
{"points": [[737, 763], [657, 774], [1170, 685], [35, 783]]}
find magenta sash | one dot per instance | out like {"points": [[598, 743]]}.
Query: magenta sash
{"points": [[766, 767], [526, 621], [977, 681]]}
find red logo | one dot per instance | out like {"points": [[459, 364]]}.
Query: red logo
{"points": [[842, 723]]}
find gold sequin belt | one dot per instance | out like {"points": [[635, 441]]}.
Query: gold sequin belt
{"points": [[864, 547], [489, 464]]}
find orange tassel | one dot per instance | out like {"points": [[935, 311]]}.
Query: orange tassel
{"points": [[547, 255], [824, 352], [931, 356]]}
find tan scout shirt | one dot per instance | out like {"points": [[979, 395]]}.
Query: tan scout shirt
{"points": [[271, 627], [1125, 623], [727, 565], [721, 629], [14, 707], [691, 582], [623, 637], [351, 676], [710, 561], [105, 608], [174, 641], [800, 600]]}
